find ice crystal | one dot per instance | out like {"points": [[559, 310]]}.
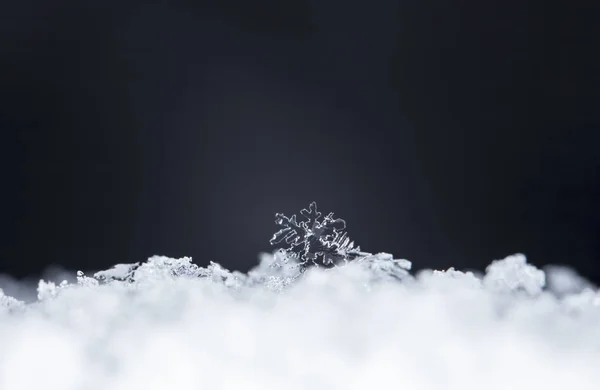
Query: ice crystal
{"points": [[120, 272], [161, 267], [314, 241]]}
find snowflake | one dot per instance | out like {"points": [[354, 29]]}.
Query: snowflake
{"points": [[314, 241]]}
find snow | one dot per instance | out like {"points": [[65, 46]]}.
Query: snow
{"points": [[171, 324]]}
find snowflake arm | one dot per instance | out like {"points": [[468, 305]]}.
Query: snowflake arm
{"points": [[292, 233], [312, 215]]}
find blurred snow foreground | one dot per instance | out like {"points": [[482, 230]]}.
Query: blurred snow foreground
{"points": [[364, 323]]}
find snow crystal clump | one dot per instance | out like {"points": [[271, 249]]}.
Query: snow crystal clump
{"points": [[513, 273], [563, 280], [8, 304]]}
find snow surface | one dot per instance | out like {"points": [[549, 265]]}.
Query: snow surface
{"points": [[170, 324]]}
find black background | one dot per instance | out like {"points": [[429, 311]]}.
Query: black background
{"points": [[450, 133]]}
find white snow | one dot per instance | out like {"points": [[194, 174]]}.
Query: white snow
{"points": [[366, 325]]}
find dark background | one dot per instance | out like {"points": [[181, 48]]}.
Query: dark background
{"points": [[447, 132]]}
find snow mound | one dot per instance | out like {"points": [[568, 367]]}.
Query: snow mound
{"points": [[171, 324]]}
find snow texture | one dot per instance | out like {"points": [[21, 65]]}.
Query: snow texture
{"points": [[366, 324]]}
